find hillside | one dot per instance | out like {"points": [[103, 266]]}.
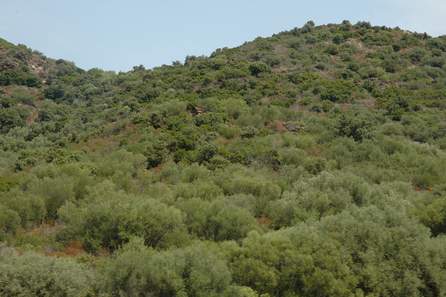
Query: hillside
{"points": [[309, 163]]}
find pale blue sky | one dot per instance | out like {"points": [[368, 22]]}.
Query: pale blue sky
{"points": [[116, 35]]}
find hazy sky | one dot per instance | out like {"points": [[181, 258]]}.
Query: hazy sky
{"points": [[116, 35]]}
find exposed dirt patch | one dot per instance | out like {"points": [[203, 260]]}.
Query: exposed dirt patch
{"points": [[32, 117], [264, 221]]}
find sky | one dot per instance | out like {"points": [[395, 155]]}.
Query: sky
{"points": [[117, 35]]}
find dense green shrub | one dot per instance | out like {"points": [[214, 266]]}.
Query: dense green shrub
{"points": [[31, 209], [355, 125], [18, 77], [109, 218], [35, 275], [336, 91], [9, 221], [194, 271], [434, 215], [360, 251], [219, 220], [10, 118], [258, 68]]}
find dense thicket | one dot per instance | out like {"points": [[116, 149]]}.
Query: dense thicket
{"points": [[309, 163]]}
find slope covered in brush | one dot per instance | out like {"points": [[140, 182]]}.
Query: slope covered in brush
{"points": [[309, 163]]}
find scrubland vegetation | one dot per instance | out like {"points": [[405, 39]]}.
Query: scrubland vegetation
{"points": [[310, 163]]}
